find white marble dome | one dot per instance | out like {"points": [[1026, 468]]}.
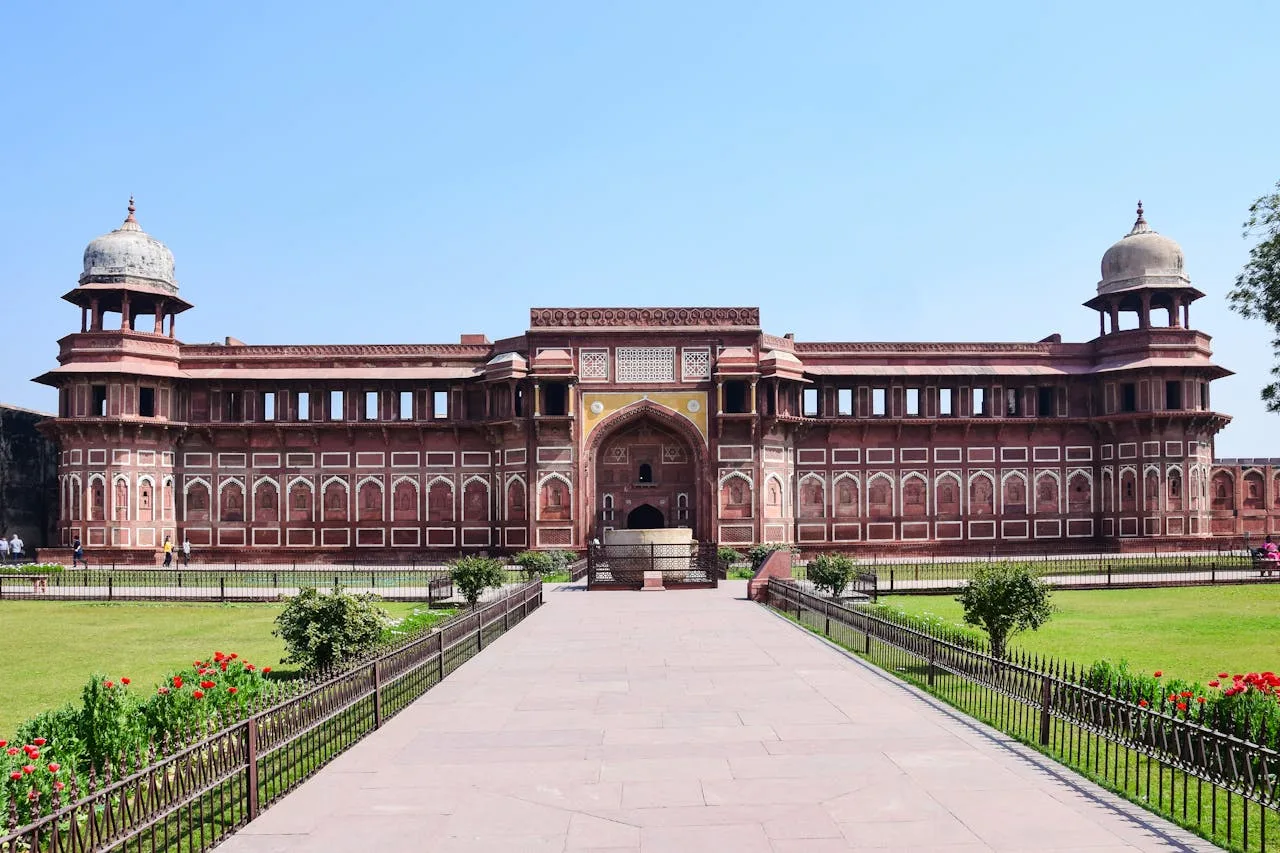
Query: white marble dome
{"points": [[1142, 257], [129, 251]]}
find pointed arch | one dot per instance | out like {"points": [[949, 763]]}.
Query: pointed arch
{"points": [[146, 498], [120, 498], [1013, 493], [370, 502], [302, 503], [476, 501], [440, 499], [75, 497], [166, 498], [1174, 492], [196, 500], [1253, 492], [982, 490], [266, 501], [846, 495], [1128, 489], [405, 500], [1048, 493], [1108, 490], [555, 497], [880, 496], [775, 496], [813, 496], [231, 499], [516, 499], [1151, 488], [948, 496], [1195, 488], [336, 499], [736, 495], [1079, 491], [915, 495]]}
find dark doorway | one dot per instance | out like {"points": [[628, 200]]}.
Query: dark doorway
{"points": [[645, 517]]}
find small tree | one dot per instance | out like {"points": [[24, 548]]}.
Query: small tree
{"points": [[537, 563], [727, 556], [473, 575], [1003, 599], [321, 629], [1256, 294], [831, 572], [759, 553]]}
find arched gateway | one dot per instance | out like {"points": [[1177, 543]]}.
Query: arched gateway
{"points": [[646, 465]]}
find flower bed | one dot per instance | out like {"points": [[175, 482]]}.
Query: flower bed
{"points": [[116, 725]]}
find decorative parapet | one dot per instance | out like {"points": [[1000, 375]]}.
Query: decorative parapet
{"points": [[541, 318]]}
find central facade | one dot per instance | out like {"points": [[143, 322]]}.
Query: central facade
{"points": [[600, 418]]}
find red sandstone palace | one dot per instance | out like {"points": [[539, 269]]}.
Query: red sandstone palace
{"points": [[599, 418]]}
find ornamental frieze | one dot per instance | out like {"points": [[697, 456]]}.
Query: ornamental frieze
{"points": [[642, 317]]}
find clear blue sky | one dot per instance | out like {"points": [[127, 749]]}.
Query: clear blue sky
{"points": [[369, 172]]}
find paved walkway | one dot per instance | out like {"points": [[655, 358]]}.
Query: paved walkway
{"points": [[689, 721]]}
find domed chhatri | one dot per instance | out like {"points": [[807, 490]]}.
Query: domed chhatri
{"points": [[1142, 258], [129, 253]]}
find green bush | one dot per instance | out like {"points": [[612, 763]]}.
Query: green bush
{"points": [[759, 553], [831, 573], [473, 575], [38, 568], [537, 563], [727, 556], [322, 629], [563, 559], [1004, 599]]}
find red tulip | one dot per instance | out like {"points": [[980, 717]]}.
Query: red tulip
{"points": [[223, 665], [17, 774], [28, 768], [265, 670], [233, 691], [54, 767], [34, 795], [1200, 699], [39, 741], [1186, 694], [1223, 675], [206, 684], [59, 785], [198, 694], [13, 750], [197, 663], [248, 667], [1182, 706], [33, 755], [1142, 703], [233, 656], [1158, 673], [163, 691], [1214, 683], [125, 681], [3, 744], [177, 681], [108, 684]]}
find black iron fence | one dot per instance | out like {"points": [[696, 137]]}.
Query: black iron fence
{"points": [[1175, 762], [189, 796], [1092, 571], [689, 565]]}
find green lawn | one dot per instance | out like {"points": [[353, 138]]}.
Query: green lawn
{"points": [[48, 649], [1190, 632]]}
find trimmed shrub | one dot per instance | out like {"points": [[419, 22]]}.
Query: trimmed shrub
{"points": [[473, 575], [759, 553], [831, 573], [321, 629], [537, 563], [1004, 599]]}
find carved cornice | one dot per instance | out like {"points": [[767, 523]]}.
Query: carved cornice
{"points": [[240, 353], [835, 347], [542, 318]]}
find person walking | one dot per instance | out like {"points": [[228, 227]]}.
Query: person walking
{"points": [[77, 553], [15, 548], [186, 550], [168, 551], [4, 550]]}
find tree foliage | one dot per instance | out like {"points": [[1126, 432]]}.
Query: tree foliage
{"points": [[1256, 294], [473, 575], [320, 629], [830, 573], [1003, 599], [537, 563]]}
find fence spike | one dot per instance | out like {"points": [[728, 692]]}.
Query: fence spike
{"points": [[93, 779], [55, 802], [109, 772], [74, 787], [13, 815], [165, 744]]}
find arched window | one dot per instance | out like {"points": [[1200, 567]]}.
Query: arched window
{"points": [[405, 501], [1078, 493], [146, 497], [813, 498], [1222, 492], [475, 501], [266, 503], [1254, 491], [646, 473], [370, 501], [76, 497], [440, 501], [335, 501], [846, 497], [914, 502], [981, 495], [120, 506], [1151, 491], [880, 497], [1128, 491], [1047, 502], [1015, 495], [197, 502]]}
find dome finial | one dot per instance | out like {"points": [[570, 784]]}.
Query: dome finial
{"points": [[130, 218], [1140, 224]]}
